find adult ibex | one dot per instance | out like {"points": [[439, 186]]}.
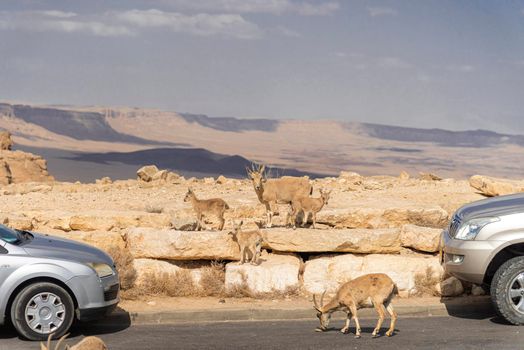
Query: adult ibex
{"points": [[271, 192], [373, 290]]}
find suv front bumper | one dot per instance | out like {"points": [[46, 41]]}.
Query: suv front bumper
{"points": [[476, 257]]}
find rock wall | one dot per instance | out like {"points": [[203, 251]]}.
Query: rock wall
{"points": [[18, 167]]}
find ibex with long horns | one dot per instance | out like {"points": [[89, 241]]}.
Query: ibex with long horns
{"points": [[282, 190]]}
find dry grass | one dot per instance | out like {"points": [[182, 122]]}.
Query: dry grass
{"points": [[425, 283], [212, 279], [126, 270]]}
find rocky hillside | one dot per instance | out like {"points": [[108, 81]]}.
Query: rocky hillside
{"points": [[372, 224], [70, 136]]}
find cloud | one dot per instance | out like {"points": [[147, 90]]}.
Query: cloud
{"points": [[59, 21], [380, 11], [203, 24], [464, 68], [392, 62], [274, 7], [132, 22]]}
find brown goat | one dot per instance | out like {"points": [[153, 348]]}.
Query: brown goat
{"points": [[271, 192], [207, 207], [249, 242], [308, 205], [373, 290]]}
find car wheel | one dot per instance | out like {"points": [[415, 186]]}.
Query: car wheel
{"points": [[507, 290], [42, 309]]}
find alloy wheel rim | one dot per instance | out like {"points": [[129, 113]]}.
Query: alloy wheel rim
{"points": [[45, 313], [516, 293]]}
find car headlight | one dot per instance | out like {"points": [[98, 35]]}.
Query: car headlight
{"points": [[470, 229], [101, 269]]}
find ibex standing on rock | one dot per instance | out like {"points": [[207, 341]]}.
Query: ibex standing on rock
{"points": [[308, 205], [206, 207], [373, 290], [249, 242], [271, 192]]}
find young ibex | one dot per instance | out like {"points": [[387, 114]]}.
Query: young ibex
{"points": [[206, 207], [271, 192], [373, 290], [308, 205], [88, 343], [249, 242]]}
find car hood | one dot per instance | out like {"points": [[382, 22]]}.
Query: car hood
{"points": [[60, 248], [496, 206]]}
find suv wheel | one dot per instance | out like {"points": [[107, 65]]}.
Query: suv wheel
{"points": [[42, 309], [507, 290]]}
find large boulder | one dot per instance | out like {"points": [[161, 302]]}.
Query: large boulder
{"points": [[370, 217], [425, 239], [450, 287], [100, 239], [18, 166], [181, 245], [160, 268], [147, 172], [491, 187], [106, 221], [5, 141], [343, 241], [274, 273], [329, 272]]}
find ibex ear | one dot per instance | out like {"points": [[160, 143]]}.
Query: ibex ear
{"points": [[262, 168]]}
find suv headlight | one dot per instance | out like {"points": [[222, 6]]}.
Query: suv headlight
{"points": [[102, 270], [470, 229]]}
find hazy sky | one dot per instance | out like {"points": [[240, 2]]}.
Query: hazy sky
{"points": [[449, 64]]}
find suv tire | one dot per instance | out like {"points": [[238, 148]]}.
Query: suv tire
{"points": [[507, 290], [41, 309]]}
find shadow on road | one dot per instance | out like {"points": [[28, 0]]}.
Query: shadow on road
{"points": [[479, 308], [116, 322]]}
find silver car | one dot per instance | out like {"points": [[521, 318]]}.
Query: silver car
{"points": [[47, 282], [484, 244]]}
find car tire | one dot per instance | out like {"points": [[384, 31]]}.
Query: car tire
{"points": [[41, 309], [507, 290]]}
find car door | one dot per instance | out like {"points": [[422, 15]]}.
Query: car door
{"points": [[10, 260]]}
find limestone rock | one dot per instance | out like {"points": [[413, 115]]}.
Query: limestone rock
{"points": [[145, 267], [344, 241], [183, 224], [25, 188], [221, 180], [477, 290], [404, 175], [275, 273], [368, 217], [19, 222], [100, 239], [451, 287], [5, 140], [429, 177], [23, 167], [146, 173], [491, 187], [91, 223], [174, 178], [160, 175], [181, 245], [106, 180], [329, 272], [425, 239]]}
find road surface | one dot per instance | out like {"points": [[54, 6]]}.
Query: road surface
{"points": [[413, 333]]}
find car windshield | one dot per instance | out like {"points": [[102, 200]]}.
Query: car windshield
{"points": [[8, 235]]}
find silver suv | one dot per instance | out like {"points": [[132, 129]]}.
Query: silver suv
{"points": [[484, 244], [46, 281]]}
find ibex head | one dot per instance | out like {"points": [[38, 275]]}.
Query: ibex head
{"points": [[325, 195], [236, 229], [256, 174], [189, 194], [323, 315], [48, 345]]}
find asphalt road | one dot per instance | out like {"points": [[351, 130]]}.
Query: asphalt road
{"points": [[413, 333]]}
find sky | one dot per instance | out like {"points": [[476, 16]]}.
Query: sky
{"points": [[447, 64]]}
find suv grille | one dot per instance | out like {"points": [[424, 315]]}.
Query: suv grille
{"points": [[454, 226], [111, 293]]}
